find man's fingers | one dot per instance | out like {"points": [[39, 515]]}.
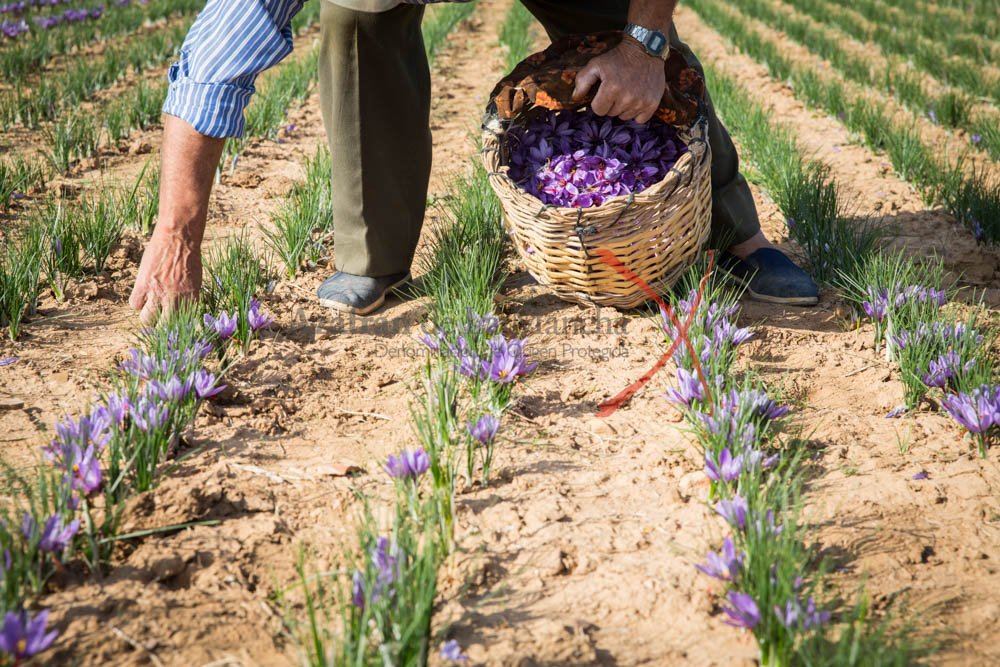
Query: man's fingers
{"points": [[585, 80], [149, 313], [138, 297], [644, 117]]}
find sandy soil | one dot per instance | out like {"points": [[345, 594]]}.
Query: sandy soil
{"points": [[581, 551]]}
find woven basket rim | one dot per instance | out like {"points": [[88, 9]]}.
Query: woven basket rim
{"points": [[683, 167]]}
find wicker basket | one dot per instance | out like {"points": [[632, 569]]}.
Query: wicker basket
{"points": [[657, 233]]}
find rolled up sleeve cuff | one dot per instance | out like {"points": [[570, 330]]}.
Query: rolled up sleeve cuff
{"points": [[212, 109]]}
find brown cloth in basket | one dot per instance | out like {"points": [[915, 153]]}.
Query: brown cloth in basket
{"points": [[547, 79]]}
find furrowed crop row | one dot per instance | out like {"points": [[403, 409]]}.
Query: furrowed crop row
{"points": [[975, 16], [515, 35], [773, 581], [944, 350], [32, 52], [958, 35], [440, 21], [68, 510], [77, 135], [928, 55], [465, 388], [55, 93], [774, 585], [17, 177], [939, 350], [63, 241], [951, 108], [973, 198], [381, 612]]}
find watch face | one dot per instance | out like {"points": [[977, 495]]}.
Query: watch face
{"points": [[656, 43]]}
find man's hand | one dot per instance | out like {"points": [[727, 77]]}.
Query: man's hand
{"points": [[170, 272], [632, 82]]}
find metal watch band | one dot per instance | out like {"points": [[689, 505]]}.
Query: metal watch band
{"points": [[654, 42]]}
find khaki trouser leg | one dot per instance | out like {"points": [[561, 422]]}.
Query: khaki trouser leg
{"points": [[375, 94], [734, 214]]}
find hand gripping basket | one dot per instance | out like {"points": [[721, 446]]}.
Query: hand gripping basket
{"points": [[656, 233]]}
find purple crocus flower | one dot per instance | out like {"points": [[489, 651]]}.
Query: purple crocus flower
{"points": [[488, 323], [728, 467], [205, 384], [689, 389], [255, 318], [11, 29], [117, 407], [764, 525], [7, 361], [23, 637], [794, 615], [86, 471], [358, 589], [149, 416], [739, 434], [977, 412], [471, 366], [726, 333], [742, 611], [386, 559], [144, 365], [434, 342], [172, 390], [877, 305], [56, 537], [224, 325], [976, 139], [763, 406], [451, 650], [507, 360], [484, 429], [756, 458], [941, 370], [28, 526], [733, 511], [408, 465], [725, 565]]}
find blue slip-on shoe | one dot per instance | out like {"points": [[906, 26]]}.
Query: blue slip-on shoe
{"points": [[357, 294], [770, 276]]}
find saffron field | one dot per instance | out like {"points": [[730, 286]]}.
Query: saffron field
{"points": [[260, 481]]}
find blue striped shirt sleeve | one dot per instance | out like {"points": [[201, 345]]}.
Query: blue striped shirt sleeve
{"points": [[229, 44]]}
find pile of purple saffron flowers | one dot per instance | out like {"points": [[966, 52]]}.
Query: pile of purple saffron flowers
{"points": [[579, 159]]}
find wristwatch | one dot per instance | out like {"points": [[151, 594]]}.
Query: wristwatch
{"points": [[653, 41]]}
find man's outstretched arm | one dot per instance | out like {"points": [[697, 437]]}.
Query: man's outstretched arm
{"points": [[229, 44], [171, 265], [632, 81]]}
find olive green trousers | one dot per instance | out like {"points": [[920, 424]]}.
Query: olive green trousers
{"points": [[375, 92]]}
